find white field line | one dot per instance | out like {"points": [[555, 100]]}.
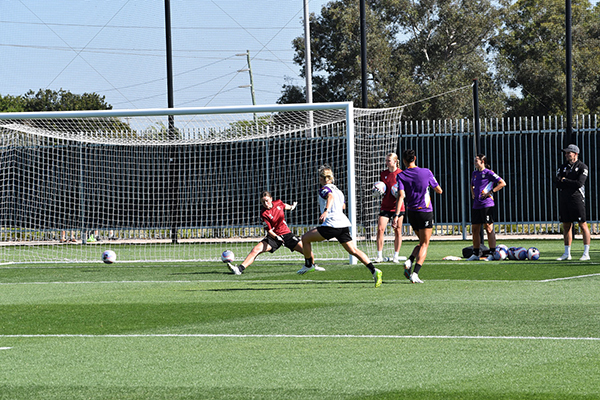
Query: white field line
{"points": [[569, 277], [256, 282], [5, 348], [241, 336]]}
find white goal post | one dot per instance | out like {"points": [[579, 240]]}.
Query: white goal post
{"points": [[182, 184]]}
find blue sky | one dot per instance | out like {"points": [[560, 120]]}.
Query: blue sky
{"points": [[117, 49]]}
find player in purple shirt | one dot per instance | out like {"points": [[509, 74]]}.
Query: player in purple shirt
{"points": [[414, 184], [484, 182]]}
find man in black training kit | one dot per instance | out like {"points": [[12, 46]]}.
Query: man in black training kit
{"points": [[570, 180]]}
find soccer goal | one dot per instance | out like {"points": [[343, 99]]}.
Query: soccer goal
{"points": [[181, 184]]}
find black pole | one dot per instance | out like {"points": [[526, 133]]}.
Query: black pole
{"points": [[477, 128], [568, 73], [173, 171], [363, 52]]}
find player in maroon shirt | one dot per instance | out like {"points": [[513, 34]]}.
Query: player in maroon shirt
{"points": [[278, 232], [388, 209]]}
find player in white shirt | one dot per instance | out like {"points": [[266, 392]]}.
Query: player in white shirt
{"points": [[334, 224]]}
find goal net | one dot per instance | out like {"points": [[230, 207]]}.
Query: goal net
{"points": [[182, 184]]}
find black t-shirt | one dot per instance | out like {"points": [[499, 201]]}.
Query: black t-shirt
{"points": [[572, 187]]}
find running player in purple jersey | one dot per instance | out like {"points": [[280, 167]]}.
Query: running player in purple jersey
{"points": [[484, 183], [413, 192]]}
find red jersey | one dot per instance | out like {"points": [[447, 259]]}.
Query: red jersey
{"points": [[389, 201], [274, 218]]}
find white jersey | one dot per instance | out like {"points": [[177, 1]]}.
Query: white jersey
{"points": [[335, 215]]}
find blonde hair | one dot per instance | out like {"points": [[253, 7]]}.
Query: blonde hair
{"points": [[395, 157], [326, 173]]}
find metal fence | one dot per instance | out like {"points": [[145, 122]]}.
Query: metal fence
{"points": [[525, 152]]}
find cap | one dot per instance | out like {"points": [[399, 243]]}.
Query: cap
{"points": [[572, 148]]}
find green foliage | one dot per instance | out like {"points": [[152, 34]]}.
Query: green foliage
{"points": [[531, 53], [419, 50], [415, 50], [64, 100]]}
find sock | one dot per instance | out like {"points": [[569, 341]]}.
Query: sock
{"points": [[568, 250], [396, 254], [241, 267], [308, 262], [476, 251], [492, 250], [586, 249], [371, 267], [380, 254], [417, 268]]}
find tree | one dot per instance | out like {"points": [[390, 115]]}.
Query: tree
{"points": [[63, 100], [10, 103], [531, 57], [416, 50]]}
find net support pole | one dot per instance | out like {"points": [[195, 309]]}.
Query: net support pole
{"points": [[351, 173]]}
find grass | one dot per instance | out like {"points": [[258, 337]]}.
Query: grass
{"points": [[474, 330]]}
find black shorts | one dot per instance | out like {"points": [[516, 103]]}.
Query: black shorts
{"points": [[572, 210], [482, 215], [341, 234], [289, 240], [420, 220], [390, 214]]}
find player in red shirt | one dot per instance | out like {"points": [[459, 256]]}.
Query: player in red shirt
{"points": [[388, 209], [278, 232]]}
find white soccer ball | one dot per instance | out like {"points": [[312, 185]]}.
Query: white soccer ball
{"points": [[500, 254], [227, 256], [109, 256], [533, 254], [395, 190], [378, 189], [521, 253]]}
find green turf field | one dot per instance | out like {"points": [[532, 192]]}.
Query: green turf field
{"points": [[473, 330]]}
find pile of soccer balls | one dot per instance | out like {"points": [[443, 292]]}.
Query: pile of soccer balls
{"points": [[503, 252]]}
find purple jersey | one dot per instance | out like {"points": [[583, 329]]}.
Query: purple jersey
{"points": [[416, 182], [483, 182]]}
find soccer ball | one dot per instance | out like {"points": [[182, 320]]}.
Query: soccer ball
{"points": [[533, 254], [521, 253], [227, 256], [395, 190], [500, 254], [511, 253], [378, 189], [109, 256], [502, 246]]}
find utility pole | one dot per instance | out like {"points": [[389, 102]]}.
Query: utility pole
{"points": [[249, 69]]}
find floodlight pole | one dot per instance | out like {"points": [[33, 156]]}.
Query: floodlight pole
{"points": [[568, 73], [363, 52], [173, 175], [476, 127]]}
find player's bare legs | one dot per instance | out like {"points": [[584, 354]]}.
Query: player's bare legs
{"points": [[356, 252], [307, 239], [300, 249], [382, 223], [491, 235], [398, 234], [424, 236], [258, 249], [568, 237], [585, 230], [476, 236]]}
